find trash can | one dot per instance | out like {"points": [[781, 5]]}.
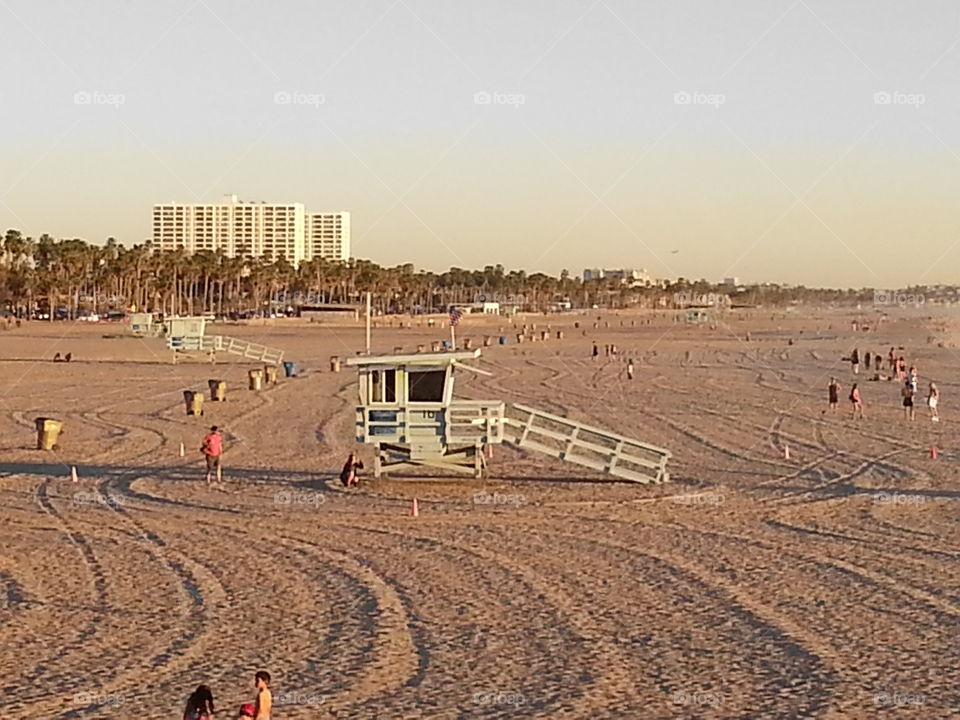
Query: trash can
{"points": [[487, 340], [218, 390], [467, 344], [503, 340], [420, 348], [270, 374], [559, 334], [435, 347], [48, 431], [256, 379], [193, 401], [544, 335], [576, 325], [519, 337], [290, 369], [334, 363]]}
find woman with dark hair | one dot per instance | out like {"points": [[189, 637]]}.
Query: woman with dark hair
{"points": [[199, 704]]}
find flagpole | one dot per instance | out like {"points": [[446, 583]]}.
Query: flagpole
{"points": [[453, 335]]}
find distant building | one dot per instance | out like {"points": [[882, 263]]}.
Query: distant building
{"points": [[625, 276], [239, 228], [731, 281], [327, 235]]}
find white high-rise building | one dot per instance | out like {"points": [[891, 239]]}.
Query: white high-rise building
{"points": [[328, 236], [256, 229]]}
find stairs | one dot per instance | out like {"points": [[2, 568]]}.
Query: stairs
{"points": [[585, 445]]}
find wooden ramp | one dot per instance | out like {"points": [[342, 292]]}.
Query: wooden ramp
{"points": [[591, 447], [208, 344]]}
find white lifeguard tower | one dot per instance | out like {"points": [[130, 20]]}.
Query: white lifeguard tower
{"points": [[408, 413]]}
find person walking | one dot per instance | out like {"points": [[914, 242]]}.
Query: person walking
{"points": [[199, 704], [855, 361], [866, 359], [212, 450], [630, 369], [909, 412], [933, 399], [892, 357], [857, 402], [833, 394], [596, 350]]}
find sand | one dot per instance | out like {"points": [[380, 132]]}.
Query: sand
{"points": [[826, 585]]}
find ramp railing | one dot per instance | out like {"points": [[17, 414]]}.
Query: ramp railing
{"points": [[586, 445]]}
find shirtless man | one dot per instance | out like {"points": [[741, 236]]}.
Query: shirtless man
{"points": [[264, 704]]}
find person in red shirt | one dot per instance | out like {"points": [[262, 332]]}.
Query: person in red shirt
{"points": [[212, 450]]}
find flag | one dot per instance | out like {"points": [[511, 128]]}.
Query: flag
{"points": [[455, 316]]}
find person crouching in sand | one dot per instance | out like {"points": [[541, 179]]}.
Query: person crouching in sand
{"points": [[199, 704], [348, 475]]}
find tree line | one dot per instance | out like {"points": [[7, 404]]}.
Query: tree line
{"points": [[73, 277]]}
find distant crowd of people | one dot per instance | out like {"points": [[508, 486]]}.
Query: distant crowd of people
{"points": [[897, 370]]}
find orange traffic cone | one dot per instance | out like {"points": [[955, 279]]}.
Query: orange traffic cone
{"points": [[73, 473], [933, 452], [414, 509]]}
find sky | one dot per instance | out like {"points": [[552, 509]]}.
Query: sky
{"points": [[803, 141]]}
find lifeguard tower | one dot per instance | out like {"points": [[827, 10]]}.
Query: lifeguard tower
{"points": [[407, 411], [145, 325]]}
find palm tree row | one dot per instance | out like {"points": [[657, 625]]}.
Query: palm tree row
{"points": [[74, 277]]}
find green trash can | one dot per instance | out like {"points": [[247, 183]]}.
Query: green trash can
{"points": [[48, 432]]}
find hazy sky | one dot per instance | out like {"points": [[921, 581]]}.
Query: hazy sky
{"points": [[746, 135]]}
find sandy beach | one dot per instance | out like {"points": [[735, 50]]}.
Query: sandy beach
{"points": [[752, 585]]}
